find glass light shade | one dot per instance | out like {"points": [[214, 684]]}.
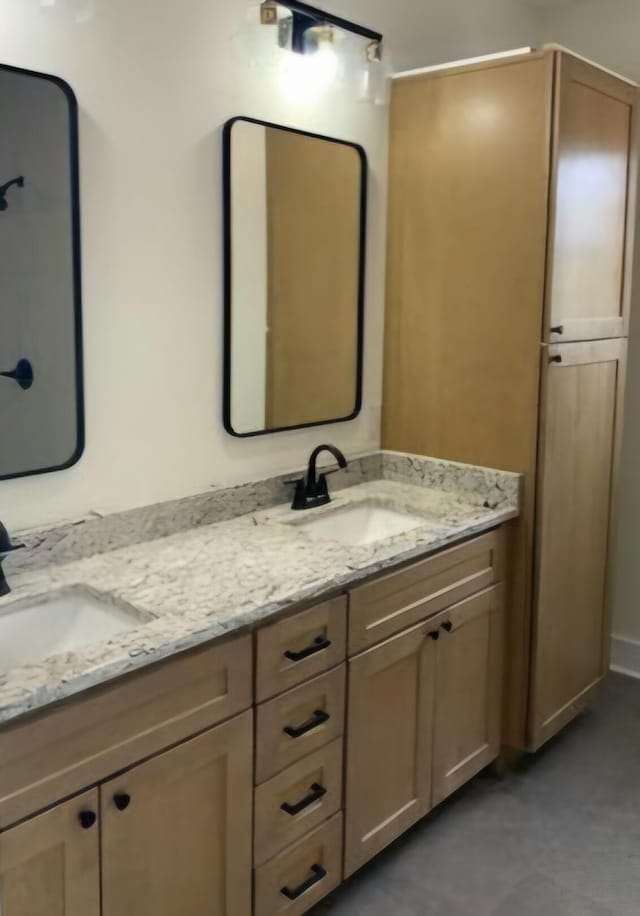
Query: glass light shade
{"points": [[375, 81]]}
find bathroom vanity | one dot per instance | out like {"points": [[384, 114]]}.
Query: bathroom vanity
{"points": [[301, 712]]}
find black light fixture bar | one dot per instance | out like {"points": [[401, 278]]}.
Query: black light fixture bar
{"points": [[323, 18]]}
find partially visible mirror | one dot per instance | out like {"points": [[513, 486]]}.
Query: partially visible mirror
{"points": [[295, 214], [41, 416]]}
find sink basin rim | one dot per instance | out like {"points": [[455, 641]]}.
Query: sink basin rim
{"points": [[28, 636], [377, 520]]}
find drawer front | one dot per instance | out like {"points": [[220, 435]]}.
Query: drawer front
{"points": [[300, 647], [299, 722], [297, 801], [81, 742], [392, 603], [302, 875]]}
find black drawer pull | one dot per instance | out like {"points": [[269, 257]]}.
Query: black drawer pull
{"points": [[448, 626], [555, 359], [122, 801], [318, 874], [87, 819], [319, 645], [315, 794], [435, 635], [559, 329], [319, 718]]}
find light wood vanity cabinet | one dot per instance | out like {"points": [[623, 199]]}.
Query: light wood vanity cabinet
{"points": [[424, 718], [169, 835], [389, 742], [582, 406], [512, 207], [469, 668], [176, 830], [51, 863], [189, 781]]}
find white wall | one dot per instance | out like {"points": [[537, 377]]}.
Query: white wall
{"points": [[608, 31], [422, 32], [155, 80]]}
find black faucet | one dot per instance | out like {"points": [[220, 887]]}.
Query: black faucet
{"points": [[6, 547], [313, 491]]}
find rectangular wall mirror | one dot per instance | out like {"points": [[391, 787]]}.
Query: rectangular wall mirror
{"points": [[41, 414], [295, 217]]}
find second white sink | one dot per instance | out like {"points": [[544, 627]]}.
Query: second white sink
{"points": [[31, 631], [360, 525]]}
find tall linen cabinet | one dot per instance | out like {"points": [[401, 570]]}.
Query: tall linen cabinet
{"points": [[511, 223]]}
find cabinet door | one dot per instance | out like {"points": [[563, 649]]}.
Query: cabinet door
{"points": [[593, 203], [389, 737], [176, 831], [580, 429], [468, 693], [49, 866]]}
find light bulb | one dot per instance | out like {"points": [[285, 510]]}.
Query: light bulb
{"points": [[307, 76]]}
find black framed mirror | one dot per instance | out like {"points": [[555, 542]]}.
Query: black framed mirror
{"points": [[295, 234], [41, 390]]}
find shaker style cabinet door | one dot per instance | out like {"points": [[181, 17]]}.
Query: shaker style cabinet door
{"points": [[176, 831], [49, 865], [581, 416], [389, 737], [468, 692], [592, 204]]}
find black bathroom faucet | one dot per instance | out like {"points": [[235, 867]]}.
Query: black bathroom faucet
{"points": [[313, 491], [6, 547]]}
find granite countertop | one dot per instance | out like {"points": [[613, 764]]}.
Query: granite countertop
{"points": [[196, 585]]}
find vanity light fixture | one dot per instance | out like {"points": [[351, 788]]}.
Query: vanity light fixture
{"points": [[293, 30], [314, 36], [18, 182]]}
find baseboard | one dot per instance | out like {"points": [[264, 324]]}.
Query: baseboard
{"points": [[625, 656]]}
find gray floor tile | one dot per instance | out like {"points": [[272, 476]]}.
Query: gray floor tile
{"points": [[538, 895], [559, 836]]}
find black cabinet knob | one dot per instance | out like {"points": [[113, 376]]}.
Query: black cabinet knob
{"points": [[555, 359], [448, 626], [122, 801], [559, 329], [87, 819], [435, 635]]}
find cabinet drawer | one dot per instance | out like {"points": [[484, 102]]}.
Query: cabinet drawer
{"points": [[299, 722], [297, 801], [61, 751], [302, 875], [395, 602], [300, 647]]}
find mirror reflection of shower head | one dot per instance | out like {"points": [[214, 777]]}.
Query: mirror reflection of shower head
{"points": [[18, 182]]}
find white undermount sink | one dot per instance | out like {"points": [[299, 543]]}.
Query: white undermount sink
{"points": [[31, 631], [360, 525]]}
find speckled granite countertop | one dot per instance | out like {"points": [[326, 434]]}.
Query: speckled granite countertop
{"points": [[196, 585]]}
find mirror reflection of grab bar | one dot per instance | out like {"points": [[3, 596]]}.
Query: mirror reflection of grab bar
{"points": [[22, 374], [18, 182]]}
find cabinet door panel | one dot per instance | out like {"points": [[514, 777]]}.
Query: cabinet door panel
{"points": [[49, 865], [593, 200], [580, 431], [389, 737], [183, 842], [468, 693]]}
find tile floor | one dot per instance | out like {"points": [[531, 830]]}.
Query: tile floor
{"points": [[558, 837]]}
